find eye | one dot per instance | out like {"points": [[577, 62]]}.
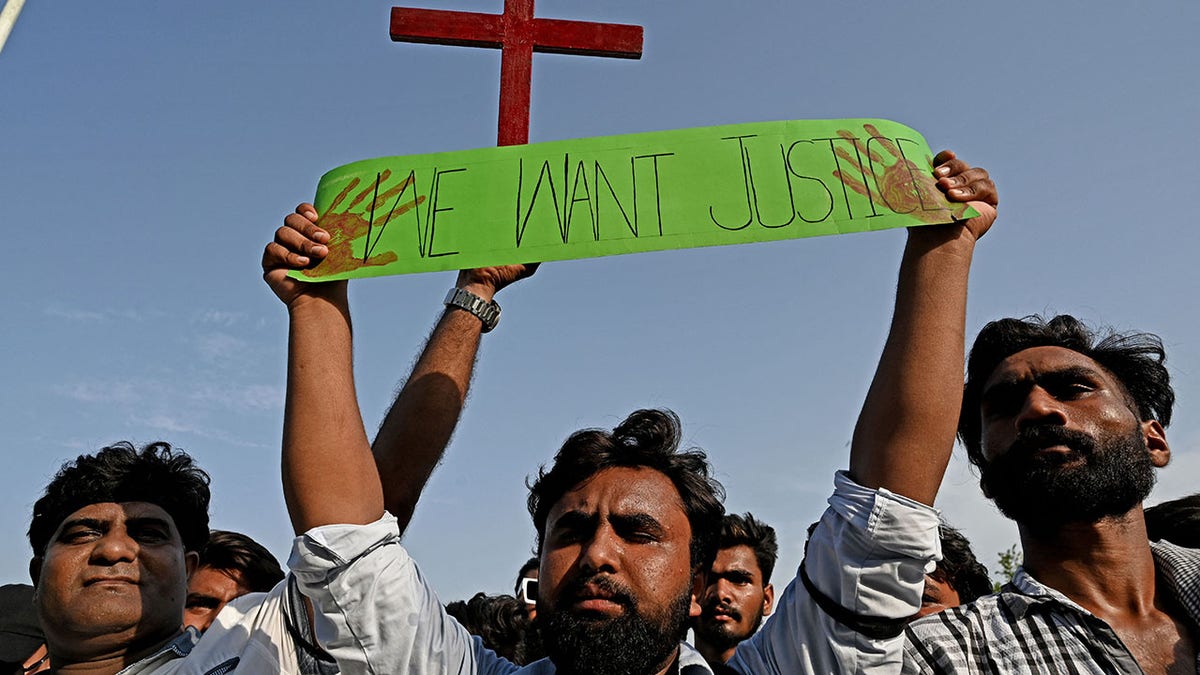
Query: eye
{"points": [[1075, 389], [151, 534], [638, 536], [79, 535]]}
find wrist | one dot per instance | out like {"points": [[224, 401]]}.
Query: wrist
{"points": [[463, 299], [320, 296], [952, 238], [485, 291]]}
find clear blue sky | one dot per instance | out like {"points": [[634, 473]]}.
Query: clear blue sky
{"points": [[148, 151]]}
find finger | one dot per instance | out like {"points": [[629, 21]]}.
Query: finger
{"points": [[307, 210], [342, 195], [951, 167], [276, 257], [295, 241], [970, 175], [852, 182], [394, 191], [943, 157], [370, 189], [306, 228], [883, 140], [980, 190], [850, 159], [407, 206]]}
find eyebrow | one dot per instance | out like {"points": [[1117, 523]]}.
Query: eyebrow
{"points": [[201, 600], [94, 523], [637, 521], [734, 572], [1067, 374], [99, 524], [575, 520]]}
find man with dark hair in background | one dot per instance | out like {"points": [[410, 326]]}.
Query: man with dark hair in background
{"points": [[1176, 521], [1067, 428], [230, 566], [501, 624], [738, 591], [626, 523], [959, 578]]}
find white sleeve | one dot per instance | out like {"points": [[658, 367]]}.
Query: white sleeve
{"points": [[374, 612], [868, 557]]}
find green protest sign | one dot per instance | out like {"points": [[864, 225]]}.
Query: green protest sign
{"points": [[593, 197]]}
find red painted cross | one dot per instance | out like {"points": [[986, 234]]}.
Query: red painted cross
{"points": [[518, 35]]}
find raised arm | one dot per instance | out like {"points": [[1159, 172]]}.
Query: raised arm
{"points": [[864, 564], [329, 474], [905, 433], [417, 428]]}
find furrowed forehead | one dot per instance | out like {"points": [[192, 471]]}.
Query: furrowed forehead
{"points": [[1034, 362]]}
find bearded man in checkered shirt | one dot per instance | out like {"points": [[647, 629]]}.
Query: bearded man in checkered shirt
{"points": [[1066, 426]]}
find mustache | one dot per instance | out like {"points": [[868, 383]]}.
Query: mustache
{"points": [[1032, 439], [579, 587], [717, 607]]}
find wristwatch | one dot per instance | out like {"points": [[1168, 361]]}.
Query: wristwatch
{"points": [[488, 312]]}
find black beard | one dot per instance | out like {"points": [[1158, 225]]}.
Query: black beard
{"points": [[722, 636], [629, 644], [1040, 493]]}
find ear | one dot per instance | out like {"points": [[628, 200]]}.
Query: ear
{"points": [[768, 599], [1156, 442], [35, 569], [191, 560], [699, 583]]}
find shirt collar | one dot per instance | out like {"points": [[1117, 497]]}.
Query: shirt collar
{"points": [[1178, 569], [178, 648]]}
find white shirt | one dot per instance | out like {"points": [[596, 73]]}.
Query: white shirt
{"points": [[376, 613]]}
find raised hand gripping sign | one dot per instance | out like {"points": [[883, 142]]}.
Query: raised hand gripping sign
{"points": [[602, 196]]}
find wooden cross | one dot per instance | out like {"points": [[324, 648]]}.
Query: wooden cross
{"points": [[518, 35]]}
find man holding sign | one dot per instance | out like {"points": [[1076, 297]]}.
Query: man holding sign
{"points": [[624, 521]]}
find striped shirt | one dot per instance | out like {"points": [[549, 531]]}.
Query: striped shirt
{"points": [[1030, 628]]}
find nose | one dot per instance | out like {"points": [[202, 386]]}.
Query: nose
{"points": [[114, 547], [722, 590], [601, 552], [1040, 408]]}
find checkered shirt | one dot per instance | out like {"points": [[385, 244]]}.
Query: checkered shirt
{"points": [[1030, 628]]}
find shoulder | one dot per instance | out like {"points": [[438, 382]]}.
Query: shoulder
{"points": [[957, 634], [250, 631]]}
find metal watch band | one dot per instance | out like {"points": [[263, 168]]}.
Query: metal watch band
{"points": [[487, 312]]}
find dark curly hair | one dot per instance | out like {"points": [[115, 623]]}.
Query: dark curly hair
{"points": [[649, 439], [1134, 359], [1176, 521], [157, 473], [501, 622], [746, 530], [959, 568], [227, 551]]}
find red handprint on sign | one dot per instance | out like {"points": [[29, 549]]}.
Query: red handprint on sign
{"points": [[900, 184], [347, 225]]}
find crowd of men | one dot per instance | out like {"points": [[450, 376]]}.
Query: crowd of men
{"points": [[633, 545]]}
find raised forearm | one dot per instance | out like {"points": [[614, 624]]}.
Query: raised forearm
{"points": [[905, 433], [329, 475], [418, 427]]}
